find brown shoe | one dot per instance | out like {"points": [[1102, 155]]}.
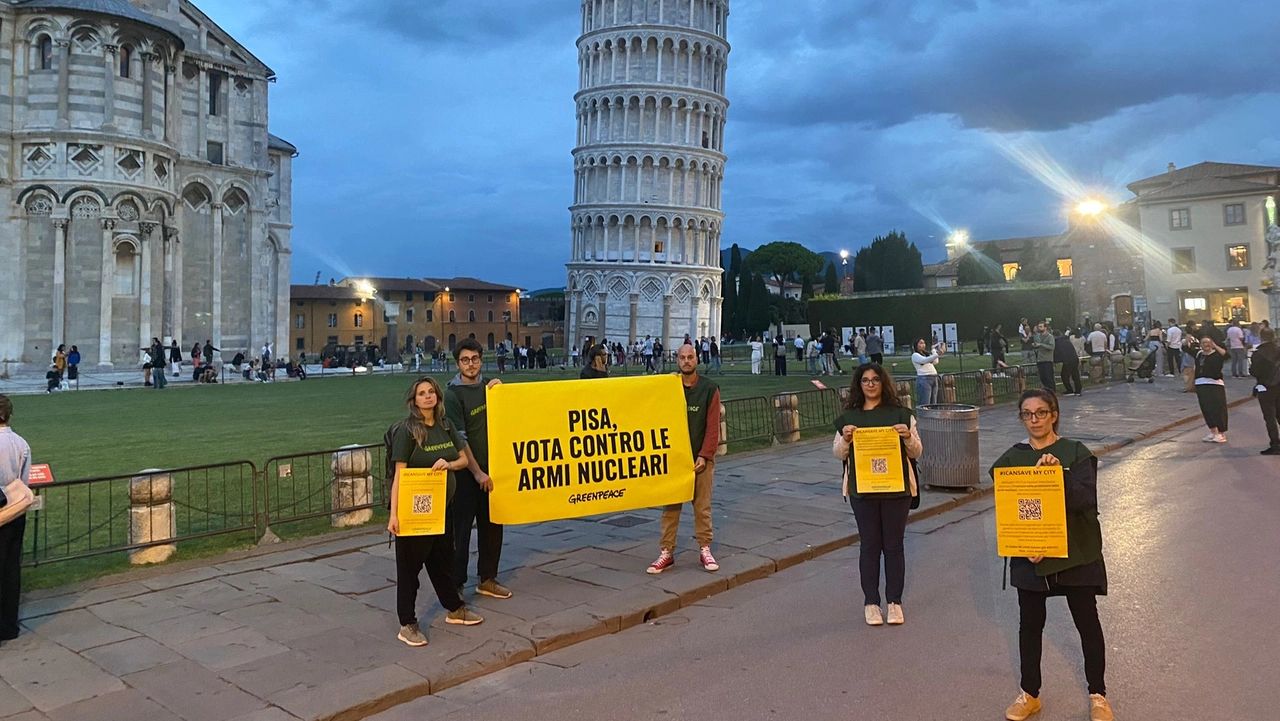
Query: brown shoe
{"points": [[1099, 709], [1023, 707]]}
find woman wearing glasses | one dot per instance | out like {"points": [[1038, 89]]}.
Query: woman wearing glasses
{"points": [[1081, 577], [882, 517]]}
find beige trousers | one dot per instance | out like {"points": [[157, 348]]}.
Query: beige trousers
{"points": [[701, 512]]}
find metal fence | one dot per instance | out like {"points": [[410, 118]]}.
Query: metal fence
{"points": [[301, 486], [747, 420]]}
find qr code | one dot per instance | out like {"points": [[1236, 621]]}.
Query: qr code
{"points": [[1029, 509], [880, 466], [423, 503]]}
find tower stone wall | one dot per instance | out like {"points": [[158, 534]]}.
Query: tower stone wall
{"points": [[648, 169]]}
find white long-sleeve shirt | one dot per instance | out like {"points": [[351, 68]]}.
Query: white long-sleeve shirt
{"points": [[924, 364]]}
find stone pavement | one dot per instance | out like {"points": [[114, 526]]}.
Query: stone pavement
{"points": [[308, 631]]}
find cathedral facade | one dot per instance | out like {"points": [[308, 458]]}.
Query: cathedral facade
{"points": [[146, 197], [648, 166]]}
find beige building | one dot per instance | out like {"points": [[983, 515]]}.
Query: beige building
{"points": [[1207, 226]]}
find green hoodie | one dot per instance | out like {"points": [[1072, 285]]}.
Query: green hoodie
{"points": [[466, 405]]}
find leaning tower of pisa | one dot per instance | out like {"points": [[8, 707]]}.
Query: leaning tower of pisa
{"points": [[648, 169]]}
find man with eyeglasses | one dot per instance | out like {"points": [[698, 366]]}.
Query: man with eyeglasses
{"points": [[466, 406]]}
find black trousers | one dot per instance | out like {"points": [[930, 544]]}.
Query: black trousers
{"points": [[1071, 378], [1084, 611], [882, 528], [1213, 406], [10, 575], [780, 365], [877, 358], [435, 553], [1270, 402], [471, 507], [1045, 368], [1173, 359]]}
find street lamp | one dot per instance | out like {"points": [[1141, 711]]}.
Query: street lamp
{"points": [[844, 262], [1091, 207]]}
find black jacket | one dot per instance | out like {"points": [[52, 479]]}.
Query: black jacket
{"points": [[1064, 351], [1265, 364]]}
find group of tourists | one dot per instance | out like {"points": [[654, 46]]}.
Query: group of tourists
{"points": [[447, 429]]}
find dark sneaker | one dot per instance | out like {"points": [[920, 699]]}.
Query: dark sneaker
{"points": [[412, 635], [463, 617], [493, 589], [1272, 451]]}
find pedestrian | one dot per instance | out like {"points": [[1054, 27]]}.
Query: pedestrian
{"points": [[1173, 349], [1265, 370], [813, 352], [757, 354], [1024, 335], [73, 364], [209, 350], [827, 346], [175, 357], [799, 345], [541, 356], [882, 517], [596, 364], [426, 439], [266, 353], [646, 353], [706, 351], [502, 358], [875, 347], [1211, 390], [926, 372], [196, 355], [466, 407], [1098, 344], [983, 337], [15, 475], [860, 346], [702, 401], [1064, 352], [779, 356], [157, 364], [1043, 347], [996, 346], [1235, 344], [1081, 577], [716, 361]]}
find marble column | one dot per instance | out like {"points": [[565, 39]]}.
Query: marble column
{"points": [[635, 306], [59, 281], [603, 303], [144, 289], [64, 83], [109, 88], [666, 321], [175, 308], [217, 275], [713, 327], [170, 93], [148, 103], [108, 278], [694, 302]]}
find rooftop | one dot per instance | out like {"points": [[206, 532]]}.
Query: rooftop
{"points": [[465, 283], [322, 292], [114, 8], [1207, 179]]}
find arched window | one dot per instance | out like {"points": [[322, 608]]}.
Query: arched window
{"points": [[490, 316], [452, 319], [126, 58], [471, 316], [359, 320], [46, 52], [453, 341], [126, 270], [490, 341]]}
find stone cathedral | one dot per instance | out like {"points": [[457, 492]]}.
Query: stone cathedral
{"points": [[145, 196], [649, 164]]}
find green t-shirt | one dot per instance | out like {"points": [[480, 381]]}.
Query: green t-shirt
{"points": [[442, 441], [467, 406], [878, 417]]}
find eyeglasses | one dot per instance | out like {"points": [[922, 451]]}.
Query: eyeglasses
{"points": [[469, 360], [872, 381], [1039, 415]]}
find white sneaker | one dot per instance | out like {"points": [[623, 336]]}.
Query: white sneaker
{"points": [[895, 615], [1211, 438], [1220, 438], [873, 616]]}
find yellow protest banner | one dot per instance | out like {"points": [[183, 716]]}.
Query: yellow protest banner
{"points": [[1031, 512], [566, 449], [877, 460], [420, 505]]}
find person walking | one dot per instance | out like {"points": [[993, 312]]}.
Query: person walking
{"points": [[73, 364], [757, 354], [702, 402], [1265, 369], [860, 346], [1211, 390], [813, 351], [1239, 353], [175, 357], [1080, 578], [827, 348], [466, 407], [875, 346], [926, 372], [997, 346], [799, 345], [1043, 347], [209, 350], [1173, 349], [158, 364], [881, 517], [15, 478], [779, 356], [501, 353], [716, 363], [1064, 352], [426, 439], [646, 352]]}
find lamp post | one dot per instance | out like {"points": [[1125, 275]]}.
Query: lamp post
{"points": [[844, 263]]}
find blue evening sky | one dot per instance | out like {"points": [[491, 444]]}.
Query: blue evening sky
{"points": [[436, 134]]}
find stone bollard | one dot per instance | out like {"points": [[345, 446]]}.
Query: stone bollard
{"points": [[787, 417], [151, 516], [1096, 371], [947, 388], [904, 393], [844, 396], [1118, 370], [723, 448], [986, 390], [1019, 375], [352, 487]]}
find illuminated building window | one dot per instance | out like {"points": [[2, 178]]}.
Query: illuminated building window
{"points": [[1065, 268], [1010, 271], [1238, 257]]}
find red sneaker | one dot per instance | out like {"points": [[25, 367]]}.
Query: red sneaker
{"points": [[665, 559], [708, 560]]}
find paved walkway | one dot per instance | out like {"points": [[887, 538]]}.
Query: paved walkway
{"points": [[309, 632]]}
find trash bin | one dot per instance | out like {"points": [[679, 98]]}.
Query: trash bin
{"points": [[949, 434]]}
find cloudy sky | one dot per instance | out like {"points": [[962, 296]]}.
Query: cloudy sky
{"points": [[436, 134]]}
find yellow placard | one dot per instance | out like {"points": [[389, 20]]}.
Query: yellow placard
{"points": [[1031, 512], [420, 505], [566, 449], [877, 460]]}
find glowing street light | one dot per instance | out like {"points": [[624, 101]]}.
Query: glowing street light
{"points": [[1091, 207], [844, 262], [365, 289], [958, 239]]}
